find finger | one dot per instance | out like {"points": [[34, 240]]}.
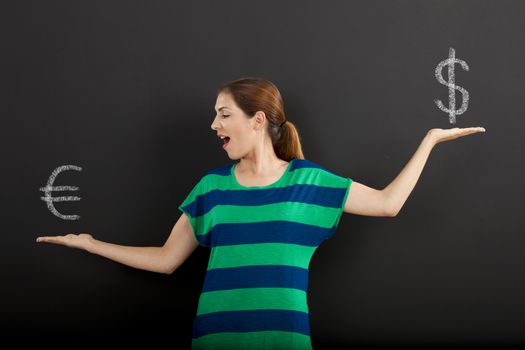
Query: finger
{"points": [[51, 239], [476, 129], [468, 131]]}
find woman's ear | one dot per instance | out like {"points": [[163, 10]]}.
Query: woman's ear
{"points": [[259, 119]]}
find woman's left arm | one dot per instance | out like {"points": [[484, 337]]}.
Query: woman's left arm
{"points": [[397, 192]]}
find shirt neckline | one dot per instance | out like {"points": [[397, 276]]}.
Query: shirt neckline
{"points": [[281, 179]]}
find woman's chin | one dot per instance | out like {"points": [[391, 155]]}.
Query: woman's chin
{"points": [[233, 156]]}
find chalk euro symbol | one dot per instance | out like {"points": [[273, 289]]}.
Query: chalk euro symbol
{"points": [[50, 188]]}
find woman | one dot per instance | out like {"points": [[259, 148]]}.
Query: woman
{"points": [[263, 217]]}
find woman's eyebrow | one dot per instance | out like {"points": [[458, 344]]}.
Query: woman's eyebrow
{"points": [[222, 107]]}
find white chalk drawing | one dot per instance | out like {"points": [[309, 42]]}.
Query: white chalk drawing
{"points": [[452, 87], [50, 188]]}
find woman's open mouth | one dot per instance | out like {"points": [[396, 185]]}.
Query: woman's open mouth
{"points": [[226, 142]]}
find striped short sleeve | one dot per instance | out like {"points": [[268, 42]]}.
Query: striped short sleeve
{"points": [[343, 184], [192, 206], [329, 189]]}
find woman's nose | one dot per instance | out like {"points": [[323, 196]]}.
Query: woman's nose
{"points": [[214, 124]]}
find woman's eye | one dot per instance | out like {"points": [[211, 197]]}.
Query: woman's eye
{"points": [[224, 115]]}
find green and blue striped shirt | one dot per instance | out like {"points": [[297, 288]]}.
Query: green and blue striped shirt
{"points": [[262, 238]]}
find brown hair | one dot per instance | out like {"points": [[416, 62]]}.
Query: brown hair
{"points": [[253, 94]]}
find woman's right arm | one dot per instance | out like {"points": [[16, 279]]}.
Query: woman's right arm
{"points": [[166, 259]]}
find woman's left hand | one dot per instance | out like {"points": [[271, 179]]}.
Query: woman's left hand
{"points": [[440, 135]]}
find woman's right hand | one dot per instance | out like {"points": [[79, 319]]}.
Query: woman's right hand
{"points": [[80, 241]]}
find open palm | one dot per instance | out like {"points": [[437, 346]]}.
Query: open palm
{"points": [[440, 135], [71, 240]]}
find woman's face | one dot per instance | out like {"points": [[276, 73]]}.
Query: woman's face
{"points": [[241, 131]]}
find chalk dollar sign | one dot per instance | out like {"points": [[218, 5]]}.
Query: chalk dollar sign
{"points": [[452, 87]]}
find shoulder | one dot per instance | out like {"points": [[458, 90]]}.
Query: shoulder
{"points": [[308, 164], [223, 170], [216, 174]]}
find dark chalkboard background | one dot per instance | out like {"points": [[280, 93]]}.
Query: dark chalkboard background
{"points": [[126, 90]]}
